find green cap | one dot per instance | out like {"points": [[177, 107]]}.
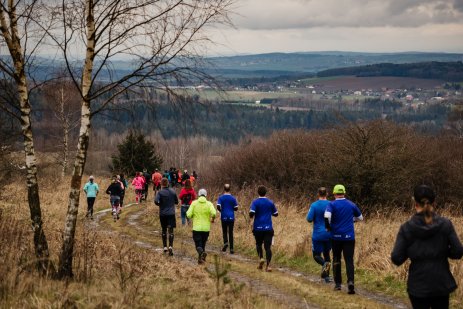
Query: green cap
{"points": [[339, 189]]}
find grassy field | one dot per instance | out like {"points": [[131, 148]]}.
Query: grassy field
{"points": [[119, 265], [375, 83], [241, 96]]}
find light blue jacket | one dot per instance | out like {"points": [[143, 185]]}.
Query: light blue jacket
{"points": [[91, 189]]}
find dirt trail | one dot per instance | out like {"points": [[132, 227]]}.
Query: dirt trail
{"points": [[258, 285], [264, 289]]}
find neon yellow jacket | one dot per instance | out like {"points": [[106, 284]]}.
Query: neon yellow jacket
{"points": [[201, 211]]}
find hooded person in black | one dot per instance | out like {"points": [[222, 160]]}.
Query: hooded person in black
{"points": [[428, 240], [166, 199]]}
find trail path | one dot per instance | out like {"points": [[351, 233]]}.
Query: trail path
{"points": [[291, 289]]}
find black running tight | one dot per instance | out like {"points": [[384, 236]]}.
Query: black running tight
{"points": [[265, 238], [166, 230]]}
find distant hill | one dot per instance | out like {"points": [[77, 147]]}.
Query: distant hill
{"points": [[274, 64], [447, 71]]}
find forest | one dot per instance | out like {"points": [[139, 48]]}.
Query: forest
{"points": [[448, 71]]}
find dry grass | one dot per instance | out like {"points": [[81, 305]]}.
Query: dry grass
{"points": [[110, 272], [374, 242]]}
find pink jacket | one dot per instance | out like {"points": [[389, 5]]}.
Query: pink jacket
{"points": [[138, 183]]}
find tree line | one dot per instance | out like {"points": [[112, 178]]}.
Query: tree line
{"points": [[448, 71]]}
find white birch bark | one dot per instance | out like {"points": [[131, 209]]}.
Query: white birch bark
{"points": [[10, 34], [67, 249]]}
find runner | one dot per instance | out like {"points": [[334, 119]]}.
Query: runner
{"points": [[227, 205], [166, 175], [124, 185], [321, 242], [172, 177], [187, 196], [156, 181], [262, 210], [147, 178], [139, 183], [185, 176], [179, 178], [166, 199], [203, 213], [91, 190], [340, 216], [193, 181], [428, 240], [115, 190]]}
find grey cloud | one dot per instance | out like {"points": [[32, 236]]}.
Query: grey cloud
{"points": [[458, 5], [297, 14]]}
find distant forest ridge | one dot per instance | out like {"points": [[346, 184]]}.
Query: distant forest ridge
{"points": [[447, 71], [275, 64]]}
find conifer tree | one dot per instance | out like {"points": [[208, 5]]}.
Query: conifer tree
{"points": [[135, 154]]}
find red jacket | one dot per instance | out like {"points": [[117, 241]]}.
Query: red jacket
{"points": [[187, 196]]}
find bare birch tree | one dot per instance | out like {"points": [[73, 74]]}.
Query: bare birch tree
{"points": [[161, 38], [64, 101], [16, 35]]}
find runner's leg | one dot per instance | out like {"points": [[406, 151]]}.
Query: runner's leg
{"points": [[163, 231], [348, 253], [224, 233], [337, 251], [205, 237], [183, 211], [122, 201], [171, 236], [326, 250], [259, 241], [440, 302], [268, 238], [230, 234], [90, 202], [198, 242]]}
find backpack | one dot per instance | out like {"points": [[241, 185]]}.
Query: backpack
{"points": [[186, 199]]}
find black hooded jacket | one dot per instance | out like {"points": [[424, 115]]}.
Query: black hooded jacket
{"points": [[428, 247]]}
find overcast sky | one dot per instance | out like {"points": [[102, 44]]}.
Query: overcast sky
{"points": [[264, 26]]}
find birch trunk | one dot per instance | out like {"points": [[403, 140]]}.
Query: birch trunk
{"points": [[12, 38], [67, 249], [66, 129]]}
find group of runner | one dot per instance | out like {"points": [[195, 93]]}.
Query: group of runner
{"points": [[198, 209], [427, 239], [116, 191], [176, 178]]}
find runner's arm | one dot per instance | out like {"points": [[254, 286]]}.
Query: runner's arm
{"points": [[310, 215], [213, 212], [357, 214], [327, 216], [219, 204], [455, 246], [189, 213], [252, 211], [157, 199], [274, 211], [399, 253]]}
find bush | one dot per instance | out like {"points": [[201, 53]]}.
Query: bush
{"points": [[378, 162]]}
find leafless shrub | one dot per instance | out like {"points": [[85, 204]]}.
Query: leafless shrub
{"points": [[377, 161]]}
